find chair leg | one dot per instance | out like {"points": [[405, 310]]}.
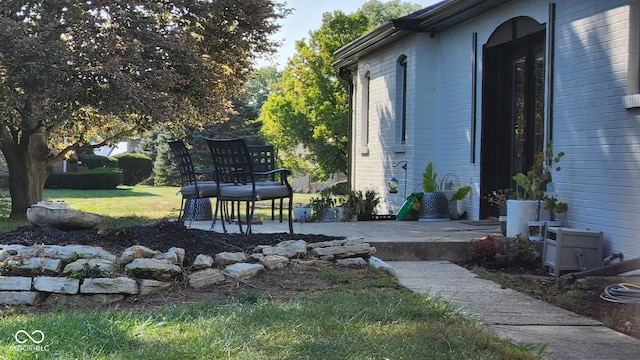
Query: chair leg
{"points": [[290, 217], [250, 215], [215, 215]]}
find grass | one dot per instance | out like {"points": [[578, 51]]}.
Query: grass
{"points": [[357, 320], [346, 323], [124, 206]]}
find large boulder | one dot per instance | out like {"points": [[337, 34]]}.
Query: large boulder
{"points": [[56, 215]]}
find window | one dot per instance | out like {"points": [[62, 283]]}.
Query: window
{"points": [[364, 121], [401, 76], [632, 99]]}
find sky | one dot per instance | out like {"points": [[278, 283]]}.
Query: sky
{"points": [[307, 16]]}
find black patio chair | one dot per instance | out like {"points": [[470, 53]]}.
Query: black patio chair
{"points": [[236, 179], [190, 187], [264, 161]]}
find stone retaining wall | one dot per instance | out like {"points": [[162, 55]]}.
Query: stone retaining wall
{"points": [[78, 273]]}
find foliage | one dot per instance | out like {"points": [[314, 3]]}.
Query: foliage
{"points": [[534, 182], [499, 197], [361, 205], [483, 249], [93, 161], [310, 106], [109, 70], [518, 251], [95, 179], [431, 182], [324, 203], [135, 168]]}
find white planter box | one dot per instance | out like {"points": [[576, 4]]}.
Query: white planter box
{"points": [[519, 213]]}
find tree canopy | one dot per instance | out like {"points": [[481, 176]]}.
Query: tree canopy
{"points": [[310, 105], [107, 69]]}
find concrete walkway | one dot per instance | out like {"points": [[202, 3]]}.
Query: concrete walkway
{"points": [[504, 311]]}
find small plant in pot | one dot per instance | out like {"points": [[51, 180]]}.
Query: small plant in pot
{"points": [[499, 198], [434, 204], [534, 188], [324, 207], [360, 205]]}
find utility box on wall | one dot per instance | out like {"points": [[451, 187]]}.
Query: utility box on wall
{"points": [[568, 249]]}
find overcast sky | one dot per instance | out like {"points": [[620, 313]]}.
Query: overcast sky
{"points": [[307, 16]]}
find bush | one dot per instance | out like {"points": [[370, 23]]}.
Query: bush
{"points": [[93, 161], [135, 168], [96, 179]]}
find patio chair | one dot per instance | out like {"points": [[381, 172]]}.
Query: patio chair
{"points": [[264, 161], [190, 187], [237, 182]]}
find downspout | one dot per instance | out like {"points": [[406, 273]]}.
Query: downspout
{"points": [[348, 77]]}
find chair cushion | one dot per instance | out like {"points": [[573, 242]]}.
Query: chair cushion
{"points": [[205, 189], [245, 192]]}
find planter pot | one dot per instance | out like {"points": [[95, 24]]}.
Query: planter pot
{"points": [[434, 206], [302, 214], [333, 214], [519, 213], [454, 214], [503, 225], [536, 230]]}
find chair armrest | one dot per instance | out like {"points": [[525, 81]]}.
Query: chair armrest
{"points": [[284, 173]]}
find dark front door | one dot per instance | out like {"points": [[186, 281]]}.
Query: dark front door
{"points": [[513, 112]]}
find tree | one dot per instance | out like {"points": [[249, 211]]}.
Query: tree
{"points": [[109, 69], [309, 106]]}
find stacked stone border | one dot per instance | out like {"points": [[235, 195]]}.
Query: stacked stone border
{"points": [[81, 274]]}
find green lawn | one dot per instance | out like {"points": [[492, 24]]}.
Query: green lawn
{"points": [[354, 321], [123, 206]]}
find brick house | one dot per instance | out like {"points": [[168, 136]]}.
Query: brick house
{"points": [[478, 87]]}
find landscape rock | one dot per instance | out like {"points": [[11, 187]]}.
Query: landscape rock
{"points": [[57, 216], [205, 277], [135, 252], [61, 285], [148, 286], [356, 261], [202, 261], [30, 266], [98, 266], [226, 258], [21, 297], [119, 285], [289, 248], [342, 251], [15, 283], [272, 262], [158, 269], [174, 255], [73, 252], [243, 271]]}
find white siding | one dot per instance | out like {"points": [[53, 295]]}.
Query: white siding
{"points": [[600, 177]]}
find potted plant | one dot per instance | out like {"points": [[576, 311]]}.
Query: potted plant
{"points": [[499, 198], [554, 207], [360, 205], [325, 208], [523, 214], [438, 193], [302, 212]]}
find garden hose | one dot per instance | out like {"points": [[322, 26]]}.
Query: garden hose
{"points": [[623, 293]]}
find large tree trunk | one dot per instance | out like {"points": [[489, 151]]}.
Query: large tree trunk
{"points": [[27, 163]]}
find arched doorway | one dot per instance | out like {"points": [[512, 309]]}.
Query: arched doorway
{"points": [[513, 90]]}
